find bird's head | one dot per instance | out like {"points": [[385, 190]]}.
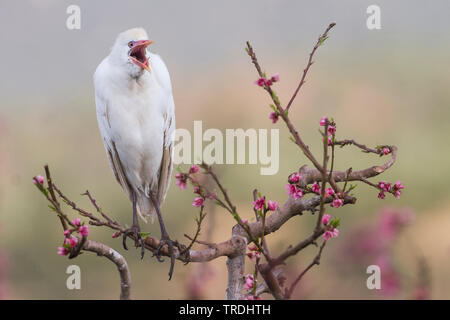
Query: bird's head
{"points": [[130, 51]]}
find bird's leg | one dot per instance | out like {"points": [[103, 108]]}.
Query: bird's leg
{"points": [[135, 229], [165, 239]]}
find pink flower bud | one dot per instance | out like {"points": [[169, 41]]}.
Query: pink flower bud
{"points": [[260, 82], [62, 251], [275, 78], [252, 247], [381, 195], [398, 186], [115, 235], [272, 205], [83, 231], [329, 192], [331, 130], [197, 190], [193, 169], [244, 221], [326, 218], [337, 203], [198, 202], [72, 241], [181, 181], [274, 117], [294, 192], [295, 177], [40, 180], [249, 282], [67, 232], [332, 233], [77, 222], [386, 151], [385, 186], [259, 204], [315, 187], [329, 142], [253, 255], [323, 121]]}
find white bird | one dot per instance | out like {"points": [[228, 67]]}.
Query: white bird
{"points": [[135, 113]]}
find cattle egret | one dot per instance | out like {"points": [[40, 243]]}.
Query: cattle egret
{"points": [[135, 113]]}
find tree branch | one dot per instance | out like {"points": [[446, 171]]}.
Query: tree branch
{"points": [[125, 277]]}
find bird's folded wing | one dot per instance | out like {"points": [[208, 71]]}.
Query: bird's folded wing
{"points": [[165, 170], [110, 146]]}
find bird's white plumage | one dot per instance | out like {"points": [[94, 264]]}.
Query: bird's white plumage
{"points": [[135, 112]]}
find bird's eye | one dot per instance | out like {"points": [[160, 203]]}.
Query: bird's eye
{"points": [[130, 44]]}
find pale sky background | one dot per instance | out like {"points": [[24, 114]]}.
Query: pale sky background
{"points": [[41, 56]]}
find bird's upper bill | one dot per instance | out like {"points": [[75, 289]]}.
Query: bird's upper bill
{"points": [[137, 53]]}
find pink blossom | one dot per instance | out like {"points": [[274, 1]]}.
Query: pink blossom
{"points": [[67, 232], [332, 233], [398, 186], [260, 82], [115, 235], [252, 247], [251, 297], [181, 181], [385, 186], [259, 204], [326, 218], [244, 221], [253, 255], [386, 151], [275, 78], [197, 190], [381, 195], [315, 187], [77, 222], [274, 117], [193, 169], [323, 121], [294, 192], [397, 194], [331, 130], [295, 177], [83, 231], [337, 203], [329, 142], [249, 282], [72, 241], [198, 202], [272, 205], [329, 192], [40, 180], [62, 251]]}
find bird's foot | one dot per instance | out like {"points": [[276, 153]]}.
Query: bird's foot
{"points": [[165, 240], [138, 240]]}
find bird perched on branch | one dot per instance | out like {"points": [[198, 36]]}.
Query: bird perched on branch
{"points": [[135, 113]]}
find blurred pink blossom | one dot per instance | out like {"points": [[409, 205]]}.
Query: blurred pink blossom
{"points": [[259, 204], [198, 202], [272, 205], [40, 180], [295, 177], [83, 231]]}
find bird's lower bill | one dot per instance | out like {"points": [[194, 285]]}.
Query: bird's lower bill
{"points": [[138, 54]]}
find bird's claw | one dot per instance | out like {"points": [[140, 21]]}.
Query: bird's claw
{"points": [[170, 245], [138, 240]]}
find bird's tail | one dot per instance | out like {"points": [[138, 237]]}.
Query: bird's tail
{"points": [[145, 208]]}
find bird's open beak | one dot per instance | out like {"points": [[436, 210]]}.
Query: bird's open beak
{"points": [[137, 53]]}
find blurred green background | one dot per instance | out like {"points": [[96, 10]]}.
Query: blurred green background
{"points": [[387, 86]]}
